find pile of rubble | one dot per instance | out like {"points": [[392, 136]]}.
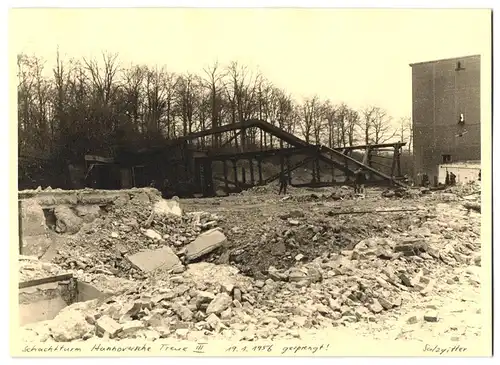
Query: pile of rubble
{"points": [[277, 275], [120, 241], [214, 301], [341, 193], [406, 193], [269, 189], [302, 235]]}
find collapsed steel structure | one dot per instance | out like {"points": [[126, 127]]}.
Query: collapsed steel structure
{"points": [[188, 167]]}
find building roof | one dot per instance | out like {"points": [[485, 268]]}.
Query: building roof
{"points": [[474, 163], [445, 59]]}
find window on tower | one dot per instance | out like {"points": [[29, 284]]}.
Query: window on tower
{"points": [[461, 118]]}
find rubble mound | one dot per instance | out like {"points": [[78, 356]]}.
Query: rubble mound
{"points": [[301, 236], [103, 245], [280, 272]]}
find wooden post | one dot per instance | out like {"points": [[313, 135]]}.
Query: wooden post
{"points": [[393, 165], [252, 178], [288, 169], [398, 161], [226, 184], [314, 171], [235, 170], [318, 171], [259, 163]]}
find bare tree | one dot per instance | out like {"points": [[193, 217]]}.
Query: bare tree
{"points": [[368, 117], [406, 131], [213, 81], [353, 122], [383, 131]]}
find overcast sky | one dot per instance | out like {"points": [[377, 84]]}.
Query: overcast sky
{"points": [[356, 56]]}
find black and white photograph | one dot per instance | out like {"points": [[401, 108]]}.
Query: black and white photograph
{"points": [[252, 181]]}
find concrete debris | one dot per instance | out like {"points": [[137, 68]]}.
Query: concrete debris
{"points": [[88, 213], [106, 324], [150, 260], [70, 325], [431, 316], [219, 303], [151, 233], [204, 244], [66, 220], [412, 320]]}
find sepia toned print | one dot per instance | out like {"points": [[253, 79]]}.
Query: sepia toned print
{"points": [[224, 198]]}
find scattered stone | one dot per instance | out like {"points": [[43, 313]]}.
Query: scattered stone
{"points": [[182, 311], [66, 220], [132, 326], [219, 303], [237, 295], [69, 325], [151, 233], [411, 247], [431, 316], [204, 244], [376, 307], [386, 304], [412, 320], [406, 280], [106, 324]]}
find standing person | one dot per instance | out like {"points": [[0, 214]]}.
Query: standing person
{"points": [[425, 180], [355, 182], [359, 182], [453, 178], [447, 179], [283, 183]]}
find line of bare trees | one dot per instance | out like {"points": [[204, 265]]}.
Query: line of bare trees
{"points": [[89, 106]]}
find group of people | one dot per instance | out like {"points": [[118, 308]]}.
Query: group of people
{"points": [[359, 182], [451, 179]]}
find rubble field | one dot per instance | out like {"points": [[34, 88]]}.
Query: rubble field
{"points": [[393, 264]]}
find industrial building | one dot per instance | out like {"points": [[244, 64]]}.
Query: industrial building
{"points": [[446, 116]]}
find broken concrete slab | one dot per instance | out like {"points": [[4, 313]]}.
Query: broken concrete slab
{"points": [[106, 324], [32, 218], [205, 243], [431, 316], [150, 260]]}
